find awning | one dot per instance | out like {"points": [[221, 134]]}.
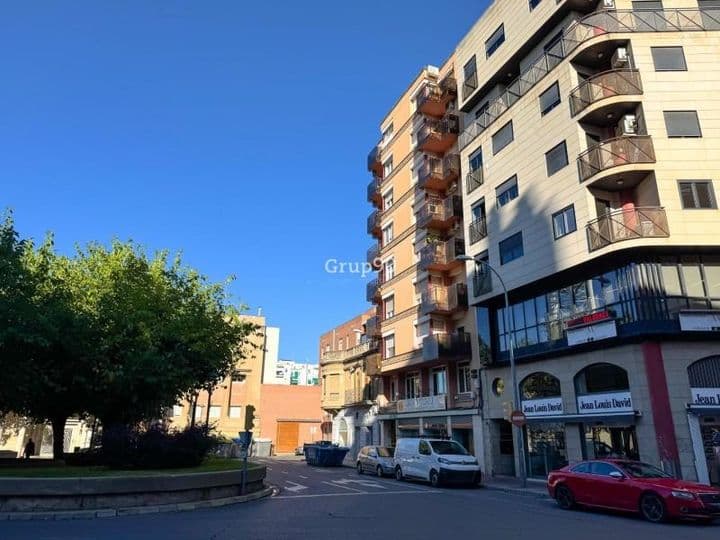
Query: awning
{"points": [[584, 418], [704, 410]]}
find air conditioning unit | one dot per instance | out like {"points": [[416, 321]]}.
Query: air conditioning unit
{"points": [[608, 4], [620, 58], [629, 124]]}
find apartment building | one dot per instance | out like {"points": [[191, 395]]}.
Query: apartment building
{"points": [[420, 291], [349, 371], [591, 164]]}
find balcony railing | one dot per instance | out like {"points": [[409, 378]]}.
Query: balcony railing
{"points": [[625, 150], [627, 224], [616, 82], [374, 161], [372, 253], [373, 223], [442, 256], [440, 212], [470, 84], [437, 136], [444, 300], [372, 327], [478, 229], [482, 280], [352, 352], [453, 345], [372, 289], [590, 26], [438, 173], [373, 191], [474, 179], [422, 403]]}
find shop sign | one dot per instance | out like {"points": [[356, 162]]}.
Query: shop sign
{"points": [[705, 396], [542, 407], [613, 402], [427, 403], [700, 321], [591, 332], [589, 318]]}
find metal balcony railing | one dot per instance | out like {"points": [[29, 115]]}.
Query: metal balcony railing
{"points": [[372, 289], [470, 84], [373, 190], [627, 224], [625, 150], [441, 253], [436, 171], [374, 160], [474, 179], [478, 229], [438, 346], [372, 327], [372, 253], [441, 210], [438, 130], [373, 223], [444, 299], [616, 82], [592, 25]]}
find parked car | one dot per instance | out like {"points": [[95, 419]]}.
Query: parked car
{"points": [[438, 461], [632, 486], [376, 459]]}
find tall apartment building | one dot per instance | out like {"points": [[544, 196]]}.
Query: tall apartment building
{"points": [[591, 157], [349, 370], [420, 291]]}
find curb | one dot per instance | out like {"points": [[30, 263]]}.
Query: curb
{"points": [[134, 510], [518, 491]]}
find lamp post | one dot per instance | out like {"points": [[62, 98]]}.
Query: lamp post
{"points": [[517, 430]]}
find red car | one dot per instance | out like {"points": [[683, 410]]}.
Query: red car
{"points": [[632, 486]]}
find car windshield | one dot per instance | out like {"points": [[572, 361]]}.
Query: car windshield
{"points": [[642, 470], [448, 447], [384, 452]]}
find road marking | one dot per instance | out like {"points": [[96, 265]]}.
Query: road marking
{"points": [[303, 477], [295, 487], [336, 484], [364, 483], [359, 494], [284, 472], [268, 468]]}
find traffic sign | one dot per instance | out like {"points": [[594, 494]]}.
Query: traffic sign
{"points": [[518, 418]]}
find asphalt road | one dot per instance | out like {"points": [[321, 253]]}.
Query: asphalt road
{"points": [[316, 503]]}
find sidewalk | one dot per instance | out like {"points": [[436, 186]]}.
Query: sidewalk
{"points": [[510, 484]]}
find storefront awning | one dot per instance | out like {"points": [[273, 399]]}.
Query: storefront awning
{"points": [[704, 410], [584, 418]]}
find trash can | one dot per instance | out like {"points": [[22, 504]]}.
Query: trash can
{"points": [[325, 454], [262, 447]]}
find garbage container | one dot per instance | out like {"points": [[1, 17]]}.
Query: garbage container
{"points": [[325, 454], [262, 447]]}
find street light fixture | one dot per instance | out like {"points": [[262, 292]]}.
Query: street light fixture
{"points": [[517, 430]]}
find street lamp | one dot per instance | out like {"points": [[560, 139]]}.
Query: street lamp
{"points": [[517, 431]]}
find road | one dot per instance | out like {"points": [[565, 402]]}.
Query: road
{"points": [[316, 503]]}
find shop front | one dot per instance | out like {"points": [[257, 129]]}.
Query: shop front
{"points": [[704, 417]]}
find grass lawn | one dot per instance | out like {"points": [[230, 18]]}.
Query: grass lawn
{"points": [[211, 464]]}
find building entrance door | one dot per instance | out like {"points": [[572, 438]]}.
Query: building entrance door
{"points": [[710, 429], [611, 442]]}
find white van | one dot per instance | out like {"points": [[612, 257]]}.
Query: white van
{"points": [[436, 461]]}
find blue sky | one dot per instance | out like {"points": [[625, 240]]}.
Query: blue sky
{"points": [[236, 132]]}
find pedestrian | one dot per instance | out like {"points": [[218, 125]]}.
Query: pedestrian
{"points": [[29, 449]]}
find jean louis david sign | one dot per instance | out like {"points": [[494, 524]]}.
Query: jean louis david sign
{"points": [[542, 407], [613, 402], [700, 321], [706, 396]]}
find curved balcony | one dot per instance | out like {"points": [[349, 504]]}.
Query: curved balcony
{"points": [[607, 162], [440, 214], [372, 291], [437, 300], [595, 92], [442, 256], [373, 192], [438, 173], [374, 161], [434, 98], [438, 136], [373, 224], [627, 224]]}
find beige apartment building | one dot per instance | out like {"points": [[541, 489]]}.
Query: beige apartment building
{"points": [[590, 152], [349, 380], [421, 292]]}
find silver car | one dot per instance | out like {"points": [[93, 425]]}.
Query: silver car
{"points": [[376, 459]]}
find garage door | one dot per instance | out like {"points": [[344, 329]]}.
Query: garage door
{"points": [[288, 434]]}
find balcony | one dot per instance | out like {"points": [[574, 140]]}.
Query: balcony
{"points": [[627, 224], [331, 400], [422, 404], [372, 327], [373, 192], [372, 254], [440, 214], [373, 224], [370, 345], [442, 256], [374, 161], [438, 136], [441, 346], [438, 173], [482, 281], [433, 99], [621, 156], [473, 180], [478, 229], [602, 87], [438, 300], [372, 291]]}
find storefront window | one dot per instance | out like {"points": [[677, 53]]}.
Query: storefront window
{"points": [[600, 378], [539, 385], [545, 448], [602, 442]]}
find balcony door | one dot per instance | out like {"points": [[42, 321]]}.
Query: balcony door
{"points": [[439, 382]]}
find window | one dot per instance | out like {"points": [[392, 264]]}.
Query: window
{"points": [[388, 270], [439, 382], [238, 377], [583, 468], [697, 194], [507, 191], [482, 109], [235, 410], [534, 4], [215, 411], [388, 133], [511, 248], [556, 158], [387, 234], [601, 468], [549, 99], [389, 307], [412, 385], [470, 83], [388, 167], [389, 346], [682, 124], [177, 410], [668, 58], [502, 137], [710, 14], [476, 160], [464, 378], [424, 449], [388, 199], [199, 412], [494, 42], [564, 222]]}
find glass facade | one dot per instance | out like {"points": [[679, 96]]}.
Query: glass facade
{"points": [[545, 448], [643, 297]]}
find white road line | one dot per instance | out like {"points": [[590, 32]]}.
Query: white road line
{"points": [[294, 487], [418, 488], [268, 468], [284, 472], [303, 477], [344, 487], [361, 494]]}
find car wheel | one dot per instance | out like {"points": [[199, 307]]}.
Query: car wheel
{"points": [[379, 471], [434, 478], [653, 508], [359, 468], [399, 474], [564, 497]]}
